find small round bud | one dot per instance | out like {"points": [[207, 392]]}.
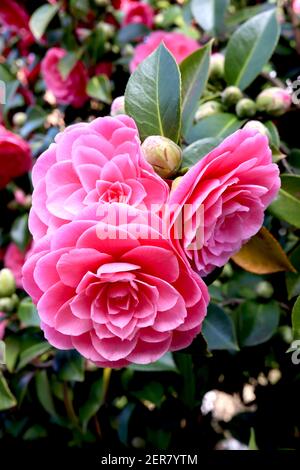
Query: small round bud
{"points": [[264, 289], [208, 109], [118, 106], [274, 101], [245, 108], [231, 95], [8, 304], [163, 154], [108, 30], [175, 183], [227, 271], [216, 67], [258, 126], [7, 283], [19, 119], [286, 333], [102, 3]]}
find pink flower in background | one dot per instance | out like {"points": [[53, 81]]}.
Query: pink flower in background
{"points": [[14, 260], [70, 90], [104, 68], [3, 324], [296, 6], [138, 12], [234, 184], [178, 44], [92, 164], [16, 19], [15, 156], [125, 298]]}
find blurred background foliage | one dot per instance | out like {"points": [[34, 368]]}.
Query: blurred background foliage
{"points": [[239, 382]]}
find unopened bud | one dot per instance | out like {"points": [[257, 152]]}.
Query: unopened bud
{"points": [[231, 95], [8, 304], [108, 30], [258, 126], [175, 183], [7, 283], [118, 106], [245, 108], [216, 67], [101, 3], [274, 101], [163, 154], [264, 289], [19, 119], [208, 109]]}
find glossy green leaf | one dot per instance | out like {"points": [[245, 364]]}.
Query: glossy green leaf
{"points": [[152, 391], [70, 365], [194, 73], [218, 329], [12, 346], [93, 403], [296, 319], [19, 232], [293, 279], [217, 125], [250, 48], [164, 364], [33, 352], [287, 204], [35, 119], [132, 32], [186, 369], [273, 132], [153, 96], [44, 392], [210, 14], [2, 353], [199, 149], [99, 88], [67, 63], [7, 400], [27, 313], [256, 323], [41, 18]]}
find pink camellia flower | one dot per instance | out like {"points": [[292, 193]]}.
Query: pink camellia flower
{"points": [[14, 260], [233, 185], [296, 6], [71, 90], [15, 156], [92, 163], [138, 12], [178, 44], [116, 292], [16, 19]]}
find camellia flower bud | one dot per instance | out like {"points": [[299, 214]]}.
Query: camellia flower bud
{"points": [[19, 119], [231, 95], [7, 283], [163, 154], [216, 67], [264, 289], [207, 109], [258, 126], [118, 106], [274, 101], [245, 108]]}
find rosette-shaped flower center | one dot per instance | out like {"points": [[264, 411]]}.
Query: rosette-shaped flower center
{"points": [[118, 293], [93, 163]]}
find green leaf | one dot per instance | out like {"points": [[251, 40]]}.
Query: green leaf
{"points": [[256, 323], [19, 232], [12, 346], [99, 88], [93, 403], [293, 279], [218, 329], [194, 73], [186, 368], [164, 364], [70, 365], [274, 135], [209, 14], [27, 313], [36, 117], [43, 392], [250, 48], [296, 319], [153, 96], [7, 400], [41, 18], [33, 352], [199, 149], [67, 63], [218, 125], [152, 391], [35, 432], [287, 204]]}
